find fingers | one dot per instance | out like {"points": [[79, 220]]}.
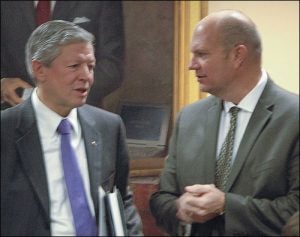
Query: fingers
{"points": [[186, 217], [8, 90], [184, 209], [12, 98], [200, 203], [194, 215], [199, 189]]}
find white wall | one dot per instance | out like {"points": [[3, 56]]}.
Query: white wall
{"points": [[278, 24]]}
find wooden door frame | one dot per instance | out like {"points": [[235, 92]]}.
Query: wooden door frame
{"points": [[185, 86]]}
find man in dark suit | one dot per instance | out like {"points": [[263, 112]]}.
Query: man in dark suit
{"points": [[245, 183], [104, 19], [35, 197]]}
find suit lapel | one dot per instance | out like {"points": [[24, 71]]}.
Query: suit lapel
{"points": [[31, 156], [93, 146], [211, 132], [33, 162], [260, 117]]}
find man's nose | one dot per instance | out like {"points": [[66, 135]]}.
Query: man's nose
{"points": [[193, 65], [86, 73]]}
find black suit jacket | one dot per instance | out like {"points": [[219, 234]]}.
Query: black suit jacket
{"points": [[104, 19], [25, 204]]}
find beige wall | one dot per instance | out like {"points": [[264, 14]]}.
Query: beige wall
{"points": [[278, 24]]}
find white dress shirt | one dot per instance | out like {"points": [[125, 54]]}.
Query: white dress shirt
{"points": [[60, 209], [247, 106]]}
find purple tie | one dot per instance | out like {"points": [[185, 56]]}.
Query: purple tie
{"points": [[84, 222]]}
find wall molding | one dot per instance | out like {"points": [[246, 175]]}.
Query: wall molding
{"points": [[185, 85]]}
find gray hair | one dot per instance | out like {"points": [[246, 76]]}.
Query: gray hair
{"points": [[45, 42]]}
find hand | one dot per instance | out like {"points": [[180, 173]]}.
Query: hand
{"points": [[8, 90], [184, 207], [200, 203]]}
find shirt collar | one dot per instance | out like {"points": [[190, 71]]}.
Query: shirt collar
{"points": [[249, 102], [49, 120]]}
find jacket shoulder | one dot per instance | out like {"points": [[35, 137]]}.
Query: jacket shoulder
{"points": [[201, 105]]}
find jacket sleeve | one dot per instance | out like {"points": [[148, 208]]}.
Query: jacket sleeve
{"points": [[162, 202]]}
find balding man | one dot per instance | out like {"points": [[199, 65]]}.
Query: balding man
{"points": [[233, 162]]}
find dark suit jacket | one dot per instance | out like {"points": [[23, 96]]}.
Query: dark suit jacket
{"points": [[263, 186], [24, 195], [104, 19]]}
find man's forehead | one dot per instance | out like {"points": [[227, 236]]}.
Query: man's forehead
{"points": [[201, 32], [78, 51], [78, 47]]}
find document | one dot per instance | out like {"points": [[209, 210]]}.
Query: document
{"points": [[102, 213], [111, 214]]}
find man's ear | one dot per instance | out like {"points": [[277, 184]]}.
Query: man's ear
{"points": [[240, 54], [38, 70]]}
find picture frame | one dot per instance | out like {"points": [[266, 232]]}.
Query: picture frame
{"points": [[168, 80]]}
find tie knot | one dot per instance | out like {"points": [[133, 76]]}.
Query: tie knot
{"points": [[64, 127], [234, 110]]}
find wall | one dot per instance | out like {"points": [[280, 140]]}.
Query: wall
{"points": [[278, 24], [148, 68]]}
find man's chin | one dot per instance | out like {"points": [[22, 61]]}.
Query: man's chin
{"points": [[203, 88], [80, 103]]}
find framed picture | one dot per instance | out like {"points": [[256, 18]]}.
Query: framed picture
{"points": [[147, 127], [146, 167], [156, 68]]}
